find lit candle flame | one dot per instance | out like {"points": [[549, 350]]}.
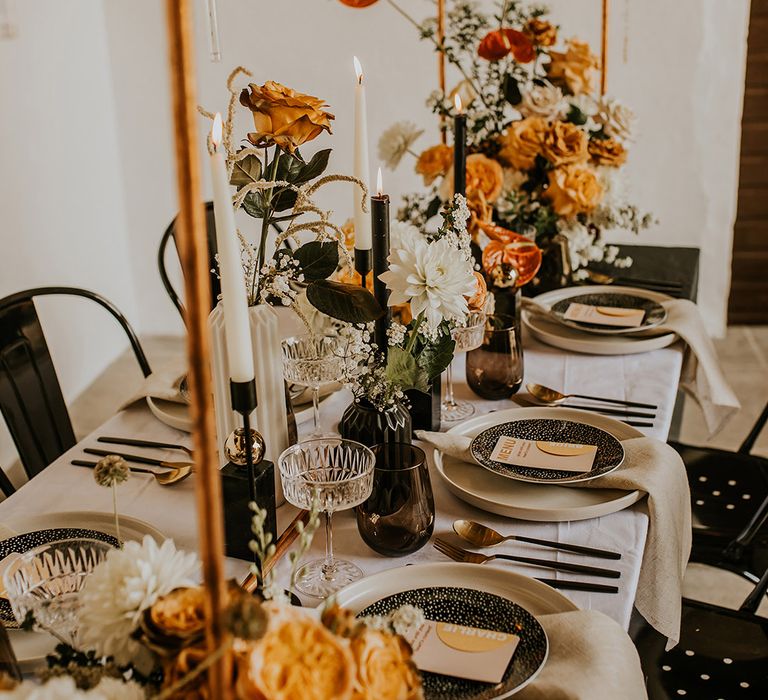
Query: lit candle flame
{"points": [[358, 69], [216, 131], [457, 103], [379, 184]]}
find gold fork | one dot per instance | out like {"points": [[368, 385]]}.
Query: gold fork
{"points": [[463, 555]]}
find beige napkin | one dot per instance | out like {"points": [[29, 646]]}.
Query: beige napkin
{"points": [[653, 467], [701, 377], [163, 384], [590, 658]]}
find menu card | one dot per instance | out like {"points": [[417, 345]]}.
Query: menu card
{"points": [[540, 454], [464, 652], [605, 315]]}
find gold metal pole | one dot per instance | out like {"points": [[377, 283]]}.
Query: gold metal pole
{"points": [[193, 253], [441, 61], [604, 49]]}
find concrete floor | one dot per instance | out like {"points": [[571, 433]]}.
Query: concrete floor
{"points": [[743, 354]]}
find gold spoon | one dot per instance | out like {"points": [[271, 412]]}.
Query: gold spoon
{"points": [[552, 397], [484, 536], [172, 475]]}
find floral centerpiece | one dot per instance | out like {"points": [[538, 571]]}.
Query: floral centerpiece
{"points": [[546, 155]]}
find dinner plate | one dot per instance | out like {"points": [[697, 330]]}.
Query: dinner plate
{"points": [[554, 333], [31, 647], [473, 608], [537, 502], [655, 313], [536, 597], [610, 453]]}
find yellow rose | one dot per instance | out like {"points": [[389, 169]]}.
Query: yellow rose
{"points": [[541, 32], [179, 667], [283, 116], [296, 658], [521, 142], [574, 67], [384, 668], [565, 143], [434, 162], [175, 621], [607, 152], [484, 177], [573, 189]]}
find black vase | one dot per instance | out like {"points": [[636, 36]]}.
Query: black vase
{"points": [[425, 407], [366, 424], [555, 271]]}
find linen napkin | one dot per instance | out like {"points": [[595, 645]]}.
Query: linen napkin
{"points": [[163, 384], [655, 468], [590, 658], [701, 376]]}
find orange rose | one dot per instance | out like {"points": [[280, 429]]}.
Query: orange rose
{"points": [[573, 189], [384, 667], [434, 162], [574, 67], [607, 152], [542, 33], [485, 179], [497, 44], [521, 142], [284, 117], [565, 143]]}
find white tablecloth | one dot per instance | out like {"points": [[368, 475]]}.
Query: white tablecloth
{"points": [[650, 377]]}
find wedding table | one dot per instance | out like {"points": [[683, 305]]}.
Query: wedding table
{"points": [[650, 377]]}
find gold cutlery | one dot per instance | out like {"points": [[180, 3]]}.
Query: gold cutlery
{"points": [[462, 555], [483, 536], [172, 476], [554, 397], [133, 442], [140, 459]]}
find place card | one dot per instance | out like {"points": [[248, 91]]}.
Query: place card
{"points": [[605, 315], [540, 454], [463, 652]]}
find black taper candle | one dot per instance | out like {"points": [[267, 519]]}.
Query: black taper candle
{"points": [[460, 153], [380, 249]]}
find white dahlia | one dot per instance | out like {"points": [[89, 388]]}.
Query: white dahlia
{"points": [[396, 141], [64, 688], [617, 121], [433, 277], [543, 100], [118, 591]]}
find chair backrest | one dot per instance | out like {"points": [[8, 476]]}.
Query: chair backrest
{"points": [[30, 395], [170, 233], [757, 428]]}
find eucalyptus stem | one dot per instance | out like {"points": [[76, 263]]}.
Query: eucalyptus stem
{"points": [[268, 209]]}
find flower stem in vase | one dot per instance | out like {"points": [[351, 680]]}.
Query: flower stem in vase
{"points": [[268, 210], [117, 517]]}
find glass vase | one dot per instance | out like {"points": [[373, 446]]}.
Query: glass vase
{"points": [[495, 369], [366, 424]]}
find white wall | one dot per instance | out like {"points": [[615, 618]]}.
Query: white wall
{"points": [[684, 78], [61, 189]]}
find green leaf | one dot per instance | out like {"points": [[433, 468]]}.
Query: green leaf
{"points": [[283, 199], [253, 205], [346, 302], [318, 260], [246, 171], [576, 116], [435, 357], [433, 207], [512, 90], [403, 370], [315, 167]]}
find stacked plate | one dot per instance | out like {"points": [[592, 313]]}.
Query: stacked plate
{"points": [[553, 328]]}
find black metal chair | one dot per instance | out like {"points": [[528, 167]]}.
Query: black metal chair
{"points": [[169, 234], [30, 395], [722, 653], [729, 502]]}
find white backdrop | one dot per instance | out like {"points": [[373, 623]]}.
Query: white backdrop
{"points": [[87, 169]]}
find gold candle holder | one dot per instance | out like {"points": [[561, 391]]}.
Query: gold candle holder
{"points": [[193, 253], [604, 50]]}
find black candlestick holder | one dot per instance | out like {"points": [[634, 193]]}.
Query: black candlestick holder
{"points": [[247, 478], [363, 264]]}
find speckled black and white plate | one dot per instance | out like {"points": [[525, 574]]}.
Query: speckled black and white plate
{"points": [[655, 313], [464, 606], [29, 540], [610, 452]]}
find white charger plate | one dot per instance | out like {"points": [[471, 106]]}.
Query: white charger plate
{"points": [[536, 597], [537, 502], [31, 647], [558, 335]]}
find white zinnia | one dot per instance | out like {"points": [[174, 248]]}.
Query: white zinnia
{"points": [[128, 582], [432, 277], [544, 100], [396, 141], [64, 688], [617, 121]]}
